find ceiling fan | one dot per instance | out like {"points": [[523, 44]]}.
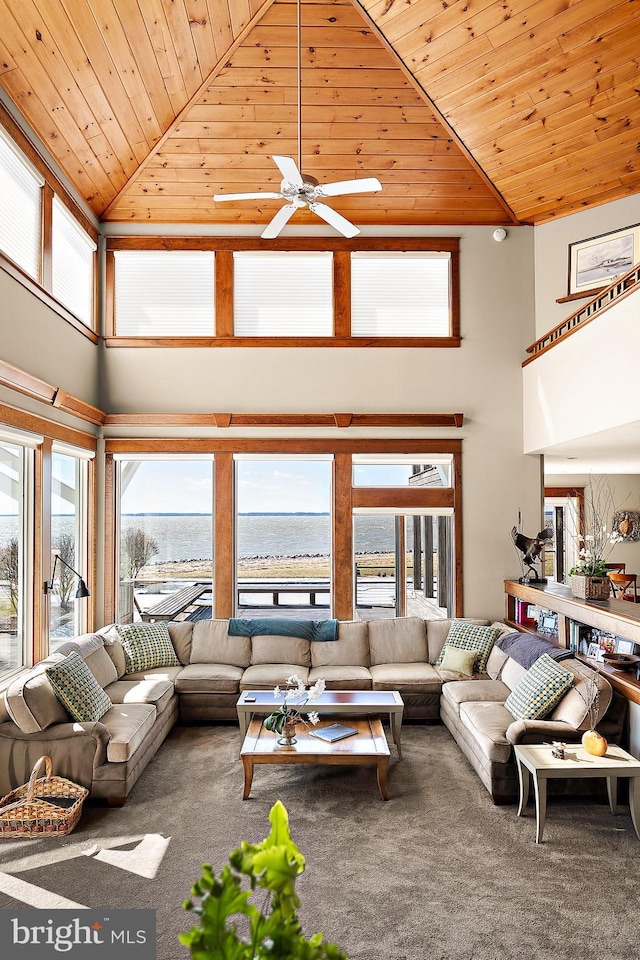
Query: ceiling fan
{"points": [[302, 190]]}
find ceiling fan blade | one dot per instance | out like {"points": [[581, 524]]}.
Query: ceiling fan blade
{"points": [[280, 220], [348, 186], [289, 170], [330, 216], [247, 196]]}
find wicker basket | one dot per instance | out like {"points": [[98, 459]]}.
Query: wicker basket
{"points": [[49, 806], [589, 588]]}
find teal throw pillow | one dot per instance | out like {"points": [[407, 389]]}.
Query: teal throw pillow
{"points": [[77, 689], [542, 686], [469, 636], [146, 645]]}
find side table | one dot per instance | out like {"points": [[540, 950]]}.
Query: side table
{"points": [[539, 762]]}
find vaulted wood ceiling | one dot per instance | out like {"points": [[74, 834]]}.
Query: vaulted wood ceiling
{"points": [[468, 111]]}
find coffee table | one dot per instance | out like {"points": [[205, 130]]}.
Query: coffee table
{"points": [[540, 762], [343, 702], [368, 747]]}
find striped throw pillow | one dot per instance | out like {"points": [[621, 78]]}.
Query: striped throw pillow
{"points": [[542, 686], [470, 636], [146, 645], [77, 689]]}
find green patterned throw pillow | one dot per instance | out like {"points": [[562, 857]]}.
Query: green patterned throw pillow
{"points": [[542, 686], [77, 689], [470, 636], [146, 645]]}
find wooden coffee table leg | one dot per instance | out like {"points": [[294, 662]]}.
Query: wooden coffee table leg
{"points": [[247, 763], [382, 770]]}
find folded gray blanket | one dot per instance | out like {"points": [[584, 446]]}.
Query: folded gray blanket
{"points": [[526, 648], [282, 627]]}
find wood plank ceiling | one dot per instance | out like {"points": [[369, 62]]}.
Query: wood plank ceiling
{"points": [[469, 112]]}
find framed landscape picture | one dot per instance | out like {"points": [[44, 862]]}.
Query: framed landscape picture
{"points": [[596, 262]]}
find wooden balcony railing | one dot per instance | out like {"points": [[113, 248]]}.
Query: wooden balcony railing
{"points": [[613, 294]]}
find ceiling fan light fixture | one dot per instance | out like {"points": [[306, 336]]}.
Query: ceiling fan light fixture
{"points": [[303, 190]]}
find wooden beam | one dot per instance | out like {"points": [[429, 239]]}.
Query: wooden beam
{"points": [[438, 498], [224, 293], [224, 539], [342, 420], [342, 553]]}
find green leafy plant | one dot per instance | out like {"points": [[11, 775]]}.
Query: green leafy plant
{"points": [[274, 932]]}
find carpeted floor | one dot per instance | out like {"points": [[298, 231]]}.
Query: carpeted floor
{"points": [[438, 873]]}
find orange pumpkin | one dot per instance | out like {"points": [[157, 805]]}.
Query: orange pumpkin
{"points": [[594, 744]]}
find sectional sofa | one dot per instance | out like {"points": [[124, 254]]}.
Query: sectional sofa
{"points": [[212, 668]]}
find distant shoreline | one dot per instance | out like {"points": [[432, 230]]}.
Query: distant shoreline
{"points": [[372, 564]]}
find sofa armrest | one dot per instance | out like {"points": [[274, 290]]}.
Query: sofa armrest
{"points": [[540, 731], [76, 750]]}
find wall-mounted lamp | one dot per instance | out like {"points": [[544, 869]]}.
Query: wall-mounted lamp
{"points": [[82, 591]]}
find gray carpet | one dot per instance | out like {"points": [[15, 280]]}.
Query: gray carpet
{"points": [[438, 873]]}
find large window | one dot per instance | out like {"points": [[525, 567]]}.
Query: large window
{"points": [[164, 293], [283, 294], [16, 551], [165, 539], [69, 543], [20, 218], [72, 255], [283, 537], [400, 294], [355, 293]]}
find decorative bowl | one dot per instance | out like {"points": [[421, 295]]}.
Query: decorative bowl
{"points": [[622, 661]]}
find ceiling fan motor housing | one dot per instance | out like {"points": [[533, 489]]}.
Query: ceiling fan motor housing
{"points": [[307, 192]]}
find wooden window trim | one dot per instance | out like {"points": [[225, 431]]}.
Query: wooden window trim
{"points": [[52, 186], [345, 498], [21, 420], [224, 247]]}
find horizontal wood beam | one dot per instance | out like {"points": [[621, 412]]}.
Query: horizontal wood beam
{"points": [[54, 431], [190, 342], [23, 382], [393, 244], [399, 497], [286, 445], [342, 420]]}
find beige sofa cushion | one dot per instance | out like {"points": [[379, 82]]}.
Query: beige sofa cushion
{"points": [[180, 634], [574, 706], [209, 678], [157, 673], [115, 650], [266, 676], [512, 673], [345, 677], [90, 646], [285, 650], [496, 661], [128, 725], [469, 691], [406, 677], [438, 631], [211, 643], [488, 724], [399, 640], [351, 648], [157, 692], [31, 702]]}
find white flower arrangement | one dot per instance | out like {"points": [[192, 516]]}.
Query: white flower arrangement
{"points": [[295, 694]]}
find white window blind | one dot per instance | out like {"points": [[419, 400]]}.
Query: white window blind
{"points": [[72, 263], [164, 293], [400, 294], [283, 294], [20, 190]]}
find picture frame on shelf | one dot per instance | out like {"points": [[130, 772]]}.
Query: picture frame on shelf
{"points": [[595, 652], [594, 263], [624, 646]]}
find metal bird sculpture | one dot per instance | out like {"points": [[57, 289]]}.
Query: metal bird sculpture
{"points": [[531, 549]]}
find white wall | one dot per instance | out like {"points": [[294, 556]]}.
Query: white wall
{"points": [[587, 383], [36, 339], [552, 251], [482, 379]]}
